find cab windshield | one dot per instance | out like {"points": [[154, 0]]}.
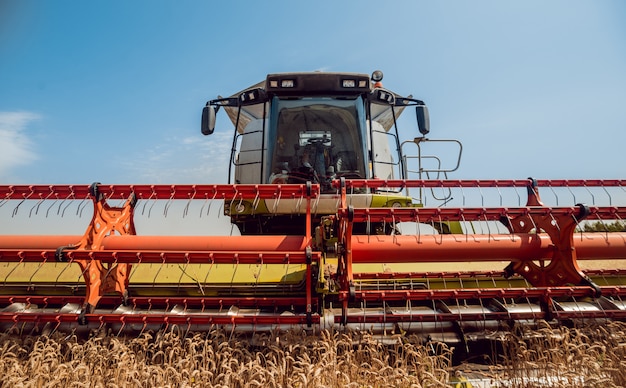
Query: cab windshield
{"points": [[317, 140]]}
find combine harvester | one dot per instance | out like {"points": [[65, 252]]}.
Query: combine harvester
{"points": [[341, 225]]}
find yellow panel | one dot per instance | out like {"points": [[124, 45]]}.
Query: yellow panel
{"points": [[159, 273], [216, 274], [35, 272]]}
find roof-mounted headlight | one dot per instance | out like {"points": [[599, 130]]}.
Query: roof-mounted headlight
{"points": [[384, 96], [348, 83], [252, 96]]}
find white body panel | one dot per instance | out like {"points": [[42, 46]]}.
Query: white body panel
{"points": [[382, 153], [248, 168]]}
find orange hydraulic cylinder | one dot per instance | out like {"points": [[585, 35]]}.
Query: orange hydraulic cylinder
{"points": [[43, 242], [365, 249], [462, 248], [164, 243], [206, 243]]}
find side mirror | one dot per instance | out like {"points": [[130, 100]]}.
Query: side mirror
{"points": [[208, 120], [423, 119]]}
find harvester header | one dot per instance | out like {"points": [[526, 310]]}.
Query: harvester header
{"points": [[336, 223]]}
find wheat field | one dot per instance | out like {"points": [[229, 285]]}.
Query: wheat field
{"points": [[217, 359], [593, 356]]}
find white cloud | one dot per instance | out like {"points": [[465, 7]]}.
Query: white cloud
{"points": [[183, 160], [16, 148]]}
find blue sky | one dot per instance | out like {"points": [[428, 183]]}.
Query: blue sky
{"points": [[112, 91]]}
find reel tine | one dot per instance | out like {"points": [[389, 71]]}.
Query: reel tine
{"points": [[206, 277], [608, 195], [482, 196], [593, 198], [41, 265], [462, 195], [315, 204], [69, 262], [13, 270], [169, 201], [40, 202], [489, 234], [156, 275], [81, 206], [298, 203], [556, 197], [183, 271], [257, 199], [191, 198], [56, 199], [212, 199], [240, 201], [571, 192], [499, 194], [59, 213], [135, 266], [275, 207], [30, 213], [257, 275], [205, 203], [235, 194], [151, 197], [519, 197], [236, 267], [464, 222], [623, 188], [16, 208], [123, 325], [418, 231], [111, 194], [220, 209], [7, 197]]}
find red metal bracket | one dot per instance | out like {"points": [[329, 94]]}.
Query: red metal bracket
{"points": [[344, 259], [101, 278], [563, 267]]}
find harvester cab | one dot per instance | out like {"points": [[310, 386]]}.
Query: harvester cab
{"points": [[315, 126], [318, 127]]}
